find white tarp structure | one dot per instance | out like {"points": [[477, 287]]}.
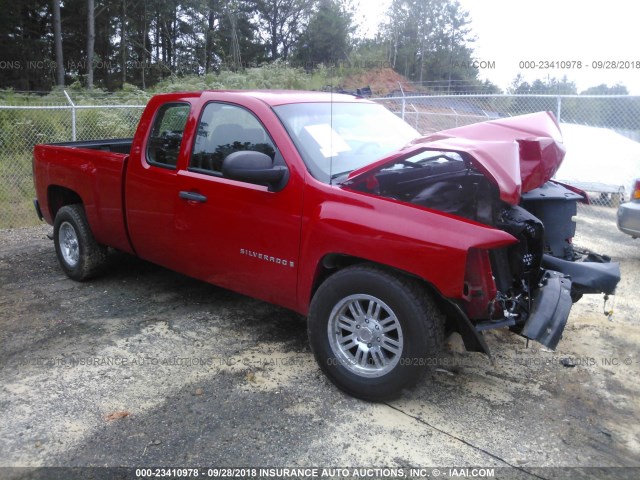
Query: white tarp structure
{"points": [[598, 156]]}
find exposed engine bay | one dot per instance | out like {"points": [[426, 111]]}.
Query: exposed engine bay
{"points": [[531, 275]]}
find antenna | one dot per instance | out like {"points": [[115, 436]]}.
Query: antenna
{"points": [[331, 137]]}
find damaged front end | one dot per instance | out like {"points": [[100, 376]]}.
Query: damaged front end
{"points": [[533, 301], [528, 286], [555, 205], [526, 297]]}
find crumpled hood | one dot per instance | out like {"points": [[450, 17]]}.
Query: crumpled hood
{"points": [[518, 154]]}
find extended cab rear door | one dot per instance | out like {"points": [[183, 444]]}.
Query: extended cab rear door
{"points": [[151, 179], [237, 234]]}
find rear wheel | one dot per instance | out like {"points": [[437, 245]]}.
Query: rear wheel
{"points": [[374, 332], [79, 255]]}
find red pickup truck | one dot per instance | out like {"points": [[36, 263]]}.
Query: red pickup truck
{"points": [[333, 207]]}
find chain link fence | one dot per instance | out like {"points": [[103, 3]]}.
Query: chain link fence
{"points": [[602, 136], [56, 118]]}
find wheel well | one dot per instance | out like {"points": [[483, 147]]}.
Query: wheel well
{"points": [[329, 265], [58, 197], [334, 262]]}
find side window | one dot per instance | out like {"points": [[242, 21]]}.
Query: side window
{"points": [[224, 129], [163, 146]]}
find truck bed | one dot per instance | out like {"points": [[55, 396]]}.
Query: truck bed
{"points": [[87, 172], [117, 145]]}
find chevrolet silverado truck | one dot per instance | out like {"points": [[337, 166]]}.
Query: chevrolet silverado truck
{"points": [[332, 206]]}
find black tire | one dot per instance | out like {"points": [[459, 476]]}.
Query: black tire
{"points": [[414, 330], [79, 255]]}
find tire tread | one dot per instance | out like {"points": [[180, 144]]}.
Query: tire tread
{"points": [[434, 322], [93, 256]]}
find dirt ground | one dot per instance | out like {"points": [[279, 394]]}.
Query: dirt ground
{"points": [[146, 367]]}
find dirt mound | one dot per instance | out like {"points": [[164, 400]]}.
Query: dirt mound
{"points": [[382, 81]]}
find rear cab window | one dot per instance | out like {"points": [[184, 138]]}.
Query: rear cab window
{"points": [[163, 145]]}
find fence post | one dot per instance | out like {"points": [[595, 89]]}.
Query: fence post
{"points": [[559, 108], [73, 116], [404, 102]]}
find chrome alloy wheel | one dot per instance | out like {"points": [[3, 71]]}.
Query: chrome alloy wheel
{"points": [[69, 245], [365, 335]]}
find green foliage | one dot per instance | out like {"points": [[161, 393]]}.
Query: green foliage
{"points": [[276, 75], [430, 41], [369, 54], [280, 23], [326, 38], [26, 49], [105, 123], [17, 192], [20, 130], [550, 86], [144, 43]]}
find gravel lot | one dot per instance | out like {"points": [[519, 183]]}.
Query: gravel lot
{"points": [[146, 367]]}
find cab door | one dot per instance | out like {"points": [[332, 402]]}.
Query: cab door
{"points": [[231, 233], [150, 189]]}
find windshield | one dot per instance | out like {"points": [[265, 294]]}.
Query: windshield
{"points": [[337, 138]]}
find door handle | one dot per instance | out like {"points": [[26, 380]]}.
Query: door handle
{"points": [[193, 197]]}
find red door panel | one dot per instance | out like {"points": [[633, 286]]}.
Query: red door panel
{"points": [[239, 235]]}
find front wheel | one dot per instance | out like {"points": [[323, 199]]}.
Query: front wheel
{"points": [[79, 255], [374, 332]]}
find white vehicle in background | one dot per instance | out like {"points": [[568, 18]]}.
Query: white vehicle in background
{"points": [[600, 162]]}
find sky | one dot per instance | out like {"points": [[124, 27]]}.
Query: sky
{"points": [[597, 34]]}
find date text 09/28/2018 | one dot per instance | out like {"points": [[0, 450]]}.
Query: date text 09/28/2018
{"points": [[579, 64]]}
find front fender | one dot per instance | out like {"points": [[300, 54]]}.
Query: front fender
{"points": [[428, 244]]}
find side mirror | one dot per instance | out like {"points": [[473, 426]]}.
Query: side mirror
{"points": [[254, 167]]}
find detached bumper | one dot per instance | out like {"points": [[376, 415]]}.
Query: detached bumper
{"points": [[586, 277], [550, 310]]}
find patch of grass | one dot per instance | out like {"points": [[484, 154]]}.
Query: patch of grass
{"points": [[16, 192]]}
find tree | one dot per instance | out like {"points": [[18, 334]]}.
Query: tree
{"points": [[281, 22], [106, 43], [212, 15], [91, 40], [549, 86], [142, 44], [234, 38], [613, 112], [604, 89], [28, 56], [541, 95], [57, 33], [123, 41], [327, 36], [429, 41]]}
